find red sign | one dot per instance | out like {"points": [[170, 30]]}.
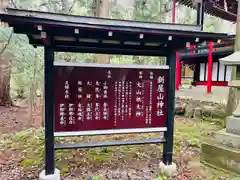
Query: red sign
{"points": [[106, 97]]}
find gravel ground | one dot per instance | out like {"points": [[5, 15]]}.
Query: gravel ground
{"points": [[11, 171]]}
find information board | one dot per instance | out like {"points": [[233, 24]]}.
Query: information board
{"points": [[90, 97]]}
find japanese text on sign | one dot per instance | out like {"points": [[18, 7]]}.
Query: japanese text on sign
{"points": [[93, 98]]}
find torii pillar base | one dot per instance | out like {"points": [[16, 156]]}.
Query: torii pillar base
{"points": [[168, 170], [55, 176]]}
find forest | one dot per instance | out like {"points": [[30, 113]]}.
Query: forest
{"points": [[22, 65], [22, 101]]}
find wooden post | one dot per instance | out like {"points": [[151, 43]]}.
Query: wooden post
{"points": [[178, 71], [168, 135], [232, 102], [49, 107], [209, 84]]}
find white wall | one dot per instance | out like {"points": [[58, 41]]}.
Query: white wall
{"points": [[214, 72]]}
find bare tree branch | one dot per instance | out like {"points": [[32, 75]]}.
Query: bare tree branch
{"points": [[13, 3], [70, 9], [8, 42]]}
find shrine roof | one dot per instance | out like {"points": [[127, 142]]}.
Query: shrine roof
{"points": [[224, 9], [201, 53], [105, 36]]}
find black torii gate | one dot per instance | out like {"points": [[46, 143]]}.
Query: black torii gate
{"points": [[65, 33]]}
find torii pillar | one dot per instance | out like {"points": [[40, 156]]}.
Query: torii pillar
{"points": [[209, 80]]}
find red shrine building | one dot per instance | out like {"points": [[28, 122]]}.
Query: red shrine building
{"points": [[203, 61]]}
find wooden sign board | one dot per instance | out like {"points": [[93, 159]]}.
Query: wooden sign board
{"points": [[92, 99]]}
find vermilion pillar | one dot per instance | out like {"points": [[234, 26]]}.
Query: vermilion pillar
{"points": [[209, 82], [178, 71], [192, 47], [180, 79]]}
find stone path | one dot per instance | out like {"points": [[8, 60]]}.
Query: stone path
{"points": [[219, 94]]}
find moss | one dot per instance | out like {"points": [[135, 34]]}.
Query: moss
{"points": [[65, 170], [222, 157], [95, 178], [96, 158], [162, 177], [108, 149], [25, 163], [217, 121], [30, 144], [219, 114]]}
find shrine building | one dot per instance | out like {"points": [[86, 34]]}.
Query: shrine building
{"points": [[194, 63]]}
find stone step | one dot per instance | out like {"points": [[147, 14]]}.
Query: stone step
{"points": [[227, 139], [220, 156], [233, 125]]}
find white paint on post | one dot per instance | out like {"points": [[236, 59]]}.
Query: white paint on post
{"points": [[39, 28], [76, 31], [110, 33], [55, 176], [43, 35]]}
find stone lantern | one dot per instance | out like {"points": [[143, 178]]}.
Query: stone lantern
{"points": [[234, 60], [223, 150]]}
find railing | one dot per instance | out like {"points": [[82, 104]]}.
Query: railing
{"points": [[204, 49]]}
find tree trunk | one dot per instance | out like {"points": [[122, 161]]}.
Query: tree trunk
{"points": [[65, 6], [232, 98], [102, 10], [5, 75], [32, 91]]}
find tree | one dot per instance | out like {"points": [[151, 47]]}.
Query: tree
{"points": [[5, 75], [5, 70], [102, 10]]}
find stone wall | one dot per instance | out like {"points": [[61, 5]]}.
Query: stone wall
{"points": [[199, 109]]}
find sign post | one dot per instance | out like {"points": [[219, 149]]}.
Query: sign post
{"points": [[48, 84], [48, 114], [168, 146]]}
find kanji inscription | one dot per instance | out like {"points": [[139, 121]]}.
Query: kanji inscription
{"points": [[109, 97]]}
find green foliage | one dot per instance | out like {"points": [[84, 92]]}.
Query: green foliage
{"points": [[30, 143], [95, 178], [192, 133], [25, 57], [161, 178], [154, 10]]}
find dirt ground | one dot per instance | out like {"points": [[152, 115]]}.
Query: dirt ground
{"points": [[136, 163], [16, 118]]}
